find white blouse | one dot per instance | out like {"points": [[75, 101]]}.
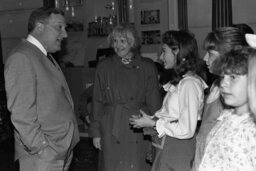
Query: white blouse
{"points": [[182, 108], [231, 144]]}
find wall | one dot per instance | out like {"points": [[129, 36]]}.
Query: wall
{"points": [[81, 49], [199, 21], [13, 21], [93, 43], [74, 50], [142, 5], [200, 18], [244, 12], [77, 49]]}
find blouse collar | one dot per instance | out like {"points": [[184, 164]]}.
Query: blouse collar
{"points": [[135, 62], [236, 119], [194, 76], [170, 87]]}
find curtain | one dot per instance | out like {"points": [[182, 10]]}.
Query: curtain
{"points": [[6, 129], [49, 3], [182, 15], [1, 52], [123, 11], [221, 13]]}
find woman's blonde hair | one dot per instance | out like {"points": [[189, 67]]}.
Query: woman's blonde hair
{"points": [[129, 32], [252, 81]]}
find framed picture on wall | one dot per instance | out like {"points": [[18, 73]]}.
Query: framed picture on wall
{"points": [[70, 3], [150, 17], [151, 37], [75, 26]]}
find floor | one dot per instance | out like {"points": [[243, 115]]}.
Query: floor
{"points": [[85, 157]]}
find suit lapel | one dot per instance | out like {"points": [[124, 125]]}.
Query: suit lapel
{"points": [[59, 75], [54, 68], [64, 82]]}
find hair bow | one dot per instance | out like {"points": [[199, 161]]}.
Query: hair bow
{"points": [[251, 40]]}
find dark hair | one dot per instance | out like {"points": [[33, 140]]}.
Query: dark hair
{"points": [[128, 31], [244, 28], [236, 62], [41, 15], [187, 58], [225, 39]]}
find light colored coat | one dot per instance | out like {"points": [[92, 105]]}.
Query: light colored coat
{"points": [[40, 103]]}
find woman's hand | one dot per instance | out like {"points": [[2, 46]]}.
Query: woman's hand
{"points": [[143, 121], [96, 142]]}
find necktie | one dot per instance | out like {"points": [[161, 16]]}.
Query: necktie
{"points": [[50, 57]]}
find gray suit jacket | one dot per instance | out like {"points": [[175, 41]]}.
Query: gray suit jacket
{"points": [[40, 103]]}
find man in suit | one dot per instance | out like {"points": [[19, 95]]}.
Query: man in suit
{"points": [[38, 96]]}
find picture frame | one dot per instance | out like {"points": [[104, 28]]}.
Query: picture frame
{"points": [[151, 37], [75, 26], [72, 3], [102, 26], [150, 17]]}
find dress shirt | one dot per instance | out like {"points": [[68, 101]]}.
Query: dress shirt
{"points": [[35, 42], [182, 108]]}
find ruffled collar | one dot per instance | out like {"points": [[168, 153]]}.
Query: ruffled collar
{"points": [[236, 119], [168, 87], [194, 76]]}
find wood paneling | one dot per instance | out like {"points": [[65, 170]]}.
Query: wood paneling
{"points": [[14, 16], [14, 23], [9, 5]]}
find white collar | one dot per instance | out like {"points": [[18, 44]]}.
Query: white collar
{"points": [[168, 87], [35, 42], [195, 77]]}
